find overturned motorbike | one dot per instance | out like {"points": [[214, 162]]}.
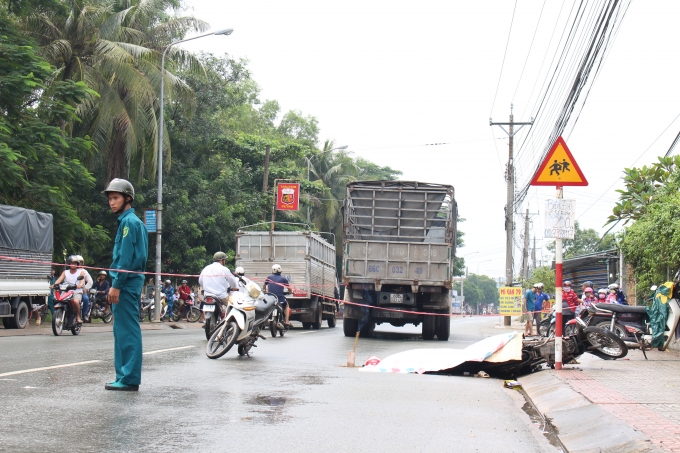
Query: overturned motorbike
{"points": [[246, 315]]}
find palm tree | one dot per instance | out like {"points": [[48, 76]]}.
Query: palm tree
{"points": [[114, 46]]}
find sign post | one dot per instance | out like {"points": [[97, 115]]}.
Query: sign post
{"points": [[559, 169], [510, 301], [150, 220]]}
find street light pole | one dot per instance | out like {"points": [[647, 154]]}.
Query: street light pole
{"points": [[159, 207]]}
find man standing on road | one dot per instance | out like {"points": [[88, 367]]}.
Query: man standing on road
{"points": [[130, 253], [529, 298]]}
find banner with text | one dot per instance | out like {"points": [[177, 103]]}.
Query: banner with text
{"points": [[559, 218], [288, 197], [510, 301]]}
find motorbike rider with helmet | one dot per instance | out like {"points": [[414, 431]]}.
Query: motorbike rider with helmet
{"points": [[240, 274], [86, 289], [184, 293], [217, 280], [130, 253], [102, 287], [70, 276], [616, 296], [586, 284], [569, 298], [169, 292], [275, 284]]}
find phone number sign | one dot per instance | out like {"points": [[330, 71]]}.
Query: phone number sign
{"points": [[510, 301]]}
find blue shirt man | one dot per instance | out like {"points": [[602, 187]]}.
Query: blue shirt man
{"points": [[130, 253], [275, 284]]}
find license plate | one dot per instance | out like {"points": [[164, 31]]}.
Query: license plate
{"points": [[396, 298], [208, 308]]}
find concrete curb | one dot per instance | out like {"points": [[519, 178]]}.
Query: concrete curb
{"points": [[581, 425]]}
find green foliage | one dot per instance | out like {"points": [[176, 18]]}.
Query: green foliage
{"points": [[543, 274], [42, 166], [585, 241], [479, 289]]}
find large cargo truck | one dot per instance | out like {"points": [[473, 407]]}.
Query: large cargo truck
{"points": [[307, 260], [399, 242], [27, 235]]}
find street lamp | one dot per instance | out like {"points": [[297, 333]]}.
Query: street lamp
{"points": [[159, 208], [308, 162]]}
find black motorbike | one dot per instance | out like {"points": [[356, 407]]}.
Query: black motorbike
{"points": [[64, 316], [98, 308], [186, 311]]}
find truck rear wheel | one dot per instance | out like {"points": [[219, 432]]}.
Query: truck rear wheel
{"points": [[8, 323], [428, 328], [350, 326], [316, 325], [332, 320], [367, 331], [21, 315], [443, 325]]}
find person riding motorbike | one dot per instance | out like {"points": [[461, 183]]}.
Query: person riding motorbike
{"points": [[169, 292], [587, 301], [217, 280], [616, 296], [102, 287], [586, 284], [275, 284], [571, 299], [240, 274], [86, 289], [601, 296], [184, 293], [71, 275]]}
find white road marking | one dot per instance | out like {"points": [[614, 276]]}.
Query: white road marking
{"points": [[32, 370], [166, 350]]}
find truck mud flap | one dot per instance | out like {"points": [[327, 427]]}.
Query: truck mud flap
{"points": [[386, 314]]}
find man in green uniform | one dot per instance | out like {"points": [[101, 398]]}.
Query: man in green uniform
{"points": [[130, 253]]}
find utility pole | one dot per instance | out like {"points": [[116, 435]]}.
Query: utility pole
{"points": [[265, 180], [533, 256], [510, 203], [525, 252]]}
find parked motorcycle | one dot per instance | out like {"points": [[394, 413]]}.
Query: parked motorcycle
{"points": [[246, 315], [64, 316], [546, 328], [98, 307], [187, 311], [148, 306]]}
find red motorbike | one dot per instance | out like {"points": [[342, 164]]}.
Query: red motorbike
{"points": [[64, 316]]}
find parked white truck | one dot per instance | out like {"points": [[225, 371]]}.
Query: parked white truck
{"points": [[399, 240], [27, 235], [307, 260]]}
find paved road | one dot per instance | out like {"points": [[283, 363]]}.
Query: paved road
{"points": [[292, 395]]}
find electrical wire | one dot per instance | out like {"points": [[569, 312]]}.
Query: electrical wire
{"points": [[529, 52], [507, 43]]}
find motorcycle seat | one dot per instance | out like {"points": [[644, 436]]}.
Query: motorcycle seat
{"points": [[617, 308], [265, 305]]}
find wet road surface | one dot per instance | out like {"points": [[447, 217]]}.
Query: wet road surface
{"points": [[293, 394]]}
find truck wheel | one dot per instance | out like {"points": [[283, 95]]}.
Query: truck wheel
{"points": [[443, 325], [21, 315], [350, 326], [428, 328], [332, 321], [8, 323], [367, 331], [306, 325], [316, 325]]}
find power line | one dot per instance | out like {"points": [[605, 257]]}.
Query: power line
{"points": [[528, 53], [504, 55]]}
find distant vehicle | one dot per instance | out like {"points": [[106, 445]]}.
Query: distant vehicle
{"points": [[399, 242], [24, 234], [307, 260]]}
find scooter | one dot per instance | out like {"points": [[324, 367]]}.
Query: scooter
{"points": [[64, 316], [186, 311], [246, 315], [98, 308], [277, 319], [546, 328], [214, 312]]}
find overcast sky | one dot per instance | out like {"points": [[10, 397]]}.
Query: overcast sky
{"points": [[389, 78]]}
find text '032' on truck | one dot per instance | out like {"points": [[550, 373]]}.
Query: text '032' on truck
{"points": [[27, 235], [399, 241], [307, 261]]}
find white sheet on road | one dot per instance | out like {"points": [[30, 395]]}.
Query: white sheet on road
{"points": [[424, 360]]}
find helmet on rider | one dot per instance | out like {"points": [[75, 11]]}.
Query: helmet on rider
{"points": [[276, 269], [588, 290], [219, 256], [80, 259], [103, 273], [72, 259], [121, 186], [167, 282], [240, 271], [184, 282], [539, 285], [613, 286], [566, 283], [588, 284]]}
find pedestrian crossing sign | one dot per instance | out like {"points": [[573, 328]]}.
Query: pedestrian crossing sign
{"points": [[559, 168]]}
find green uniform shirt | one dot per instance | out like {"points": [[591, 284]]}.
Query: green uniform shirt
{"points": [[130, 251]]}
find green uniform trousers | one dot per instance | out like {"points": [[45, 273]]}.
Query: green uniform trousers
{"points": [[127, 337]]}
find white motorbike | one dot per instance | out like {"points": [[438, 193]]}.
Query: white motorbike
{"points": [[246, 314]]}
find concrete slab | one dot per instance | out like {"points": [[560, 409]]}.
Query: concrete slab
{"points": [[581, 425]]}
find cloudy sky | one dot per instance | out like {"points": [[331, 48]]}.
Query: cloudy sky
{"points": [[413, 84]]}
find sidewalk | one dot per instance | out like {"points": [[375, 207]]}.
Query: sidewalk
{"points": [[629, 405], [95, 327]]}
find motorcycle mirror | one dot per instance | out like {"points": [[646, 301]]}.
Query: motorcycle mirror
{"points": [[653, 288]]}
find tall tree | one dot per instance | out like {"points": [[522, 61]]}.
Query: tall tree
{"points": [[115, 47]]}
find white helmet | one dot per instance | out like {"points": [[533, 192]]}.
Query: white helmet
{"points": [[613, 286], [276, 269], [240, 271]]}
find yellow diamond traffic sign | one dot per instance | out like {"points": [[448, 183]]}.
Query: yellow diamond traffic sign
{"points": [[559, 168]]}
